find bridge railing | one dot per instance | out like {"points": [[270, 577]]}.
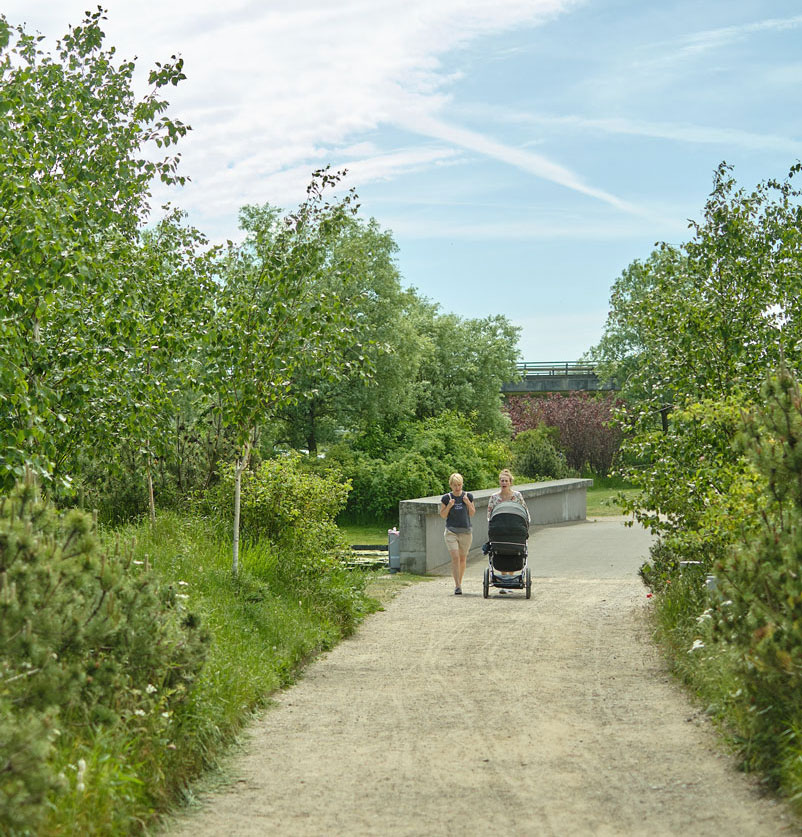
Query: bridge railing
{"points": [[556, 367]]}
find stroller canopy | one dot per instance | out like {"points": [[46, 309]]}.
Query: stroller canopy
{"points": [[508, 522]]}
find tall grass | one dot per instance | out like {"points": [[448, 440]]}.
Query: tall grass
{"points": [[264, 625]]}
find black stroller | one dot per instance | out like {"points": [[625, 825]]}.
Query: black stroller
{"points": [[506, 550]]}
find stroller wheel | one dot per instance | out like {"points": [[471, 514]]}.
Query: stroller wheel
{"points": [[528, 584], [486, 582]]}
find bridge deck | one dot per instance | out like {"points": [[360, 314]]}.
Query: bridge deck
{"points": [[557, 376]]}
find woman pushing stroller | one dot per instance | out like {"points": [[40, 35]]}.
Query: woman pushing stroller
{"points": [[506, 494]]}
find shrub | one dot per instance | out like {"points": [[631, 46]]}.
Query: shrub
{"points": [[82, 629], [694, 489], [427, 454], [583, 421], [286, 504], [762, 583], [535, 456]]}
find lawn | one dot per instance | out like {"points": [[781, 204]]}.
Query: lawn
{"points": [[602, 501]]}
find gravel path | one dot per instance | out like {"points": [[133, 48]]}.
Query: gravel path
{"points": [[464, 716]]}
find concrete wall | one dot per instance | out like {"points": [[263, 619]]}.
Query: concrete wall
{"points": [[421, 527]]}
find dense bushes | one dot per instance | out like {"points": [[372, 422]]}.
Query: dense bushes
{"points": [[740, 648], [88, 639], [584, 430], [418, 464], [281, 502], [112, 697], [762, 583], [694, 489], [536, 457]]}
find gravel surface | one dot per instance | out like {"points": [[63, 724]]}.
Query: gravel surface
{"points": [[449, 715]]}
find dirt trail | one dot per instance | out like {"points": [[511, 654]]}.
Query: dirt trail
{"points": [[464, 716]]}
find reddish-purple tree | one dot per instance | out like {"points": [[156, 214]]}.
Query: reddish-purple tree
{"points": [[582, 419]]}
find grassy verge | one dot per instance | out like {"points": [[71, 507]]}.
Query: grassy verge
{"points": [[602, 502], [368, 534], [265, 625], [713, 670]]}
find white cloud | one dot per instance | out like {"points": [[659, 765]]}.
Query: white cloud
{"points": [[679, 132], [272, 92], [709, 39], [520, 158]]}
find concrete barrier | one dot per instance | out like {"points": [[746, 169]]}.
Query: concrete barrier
{"points": [[423, 549]]}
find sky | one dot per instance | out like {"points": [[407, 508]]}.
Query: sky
{"points": [[522, 152]]}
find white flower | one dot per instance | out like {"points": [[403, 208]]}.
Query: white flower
{"points": [[183, 583], [150, 688], [165, 714], [697, 644], [181, 596], [140, 712], [706, 615]]}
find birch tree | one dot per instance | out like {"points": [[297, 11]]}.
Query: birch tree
{"points": [[273, 318]]}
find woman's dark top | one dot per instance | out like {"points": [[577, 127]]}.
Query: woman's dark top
{"points": [[458, 519]]}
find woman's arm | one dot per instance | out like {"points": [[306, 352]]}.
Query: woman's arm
{"points": [[470, 505], [445, 509]]}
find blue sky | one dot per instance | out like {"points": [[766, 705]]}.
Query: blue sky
{"points": [[523, 152]]}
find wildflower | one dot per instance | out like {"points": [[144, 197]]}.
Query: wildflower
{"points": [[79, 779], [140, 712], [697, 644], [181, 596], [165, 714], [150, 688], [183, 583], [648, 595], [706, 615]]}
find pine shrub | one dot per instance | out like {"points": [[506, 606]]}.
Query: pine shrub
{"points": [[88, 639], [761, 582]]}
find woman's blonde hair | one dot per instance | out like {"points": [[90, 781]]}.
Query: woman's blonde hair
{"points": [[506, 473], [456, 478]]}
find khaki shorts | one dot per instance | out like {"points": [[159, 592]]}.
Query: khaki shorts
{"points": [[458, 540]]}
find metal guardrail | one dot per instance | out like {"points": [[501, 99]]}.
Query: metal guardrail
{"points": [[556, 367]]}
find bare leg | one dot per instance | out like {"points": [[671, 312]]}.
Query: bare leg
{"points": [[455, 567], [462, 561]]}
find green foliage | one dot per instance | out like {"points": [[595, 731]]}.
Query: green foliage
{"points": [[709, 319], [286, 504], [536, 457], [364, 277], [694, 490], [88, 637], [74, 145], [150, 738], [420, 464], [741, 647], [762, 580], [464, 366]]}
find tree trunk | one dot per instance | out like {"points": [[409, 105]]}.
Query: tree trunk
{"points": [[242, 464], [311, 436], [151, 501], [664, 411]]}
